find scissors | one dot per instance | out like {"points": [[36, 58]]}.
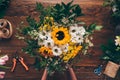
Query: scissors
{"points": [[98, 70], [17, 58]]}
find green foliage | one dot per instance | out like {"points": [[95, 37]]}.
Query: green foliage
{"points": [[31, 47], [33, 24], [110, 52], [115, 6], [44, 11], [54, 65], [92, 27], [60, 12], [3, 6]]}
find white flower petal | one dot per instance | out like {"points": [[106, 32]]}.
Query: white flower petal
{"points": [[56, 51], [64, 47], [49, 43], [81, 30]]}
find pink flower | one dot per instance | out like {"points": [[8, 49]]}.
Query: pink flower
{"points": [[3, 59], [2, 74], [2, 62]]}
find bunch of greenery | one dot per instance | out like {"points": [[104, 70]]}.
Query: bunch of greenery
{"points": [[62, 13], [3, 6], [56, 20], [111, 51], [115, 6]]}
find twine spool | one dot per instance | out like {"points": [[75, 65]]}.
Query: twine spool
{"points": [[111, 69], [6, 30]]}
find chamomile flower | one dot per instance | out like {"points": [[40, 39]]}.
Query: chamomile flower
{"points": [[81, 30], [42, 35], [73, 30], [56, 51], [117, 41], [49, 43], [64, 47], [79, 39], [40, 42]]}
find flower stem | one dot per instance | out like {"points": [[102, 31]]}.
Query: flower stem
{"points": [[4, 67]]}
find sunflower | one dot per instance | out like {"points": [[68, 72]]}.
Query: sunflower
{"points": [[60, 35], [45, 51], [76, 50], [73, 51]]}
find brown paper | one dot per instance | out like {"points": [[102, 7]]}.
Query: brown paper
{"points": [[111, 69]]}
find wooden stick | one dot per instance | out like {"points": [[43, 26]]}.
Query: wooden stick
{"points": [[44, 77]]}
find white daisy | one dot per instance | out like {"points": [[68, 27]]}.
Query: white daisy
{"points": [[42, 35], [73, 39], [40, 42], [117, 41], [56, 51], [73, 29], [81, 30], [64, 47], [49, 43], [48, 36], [79, 39]]}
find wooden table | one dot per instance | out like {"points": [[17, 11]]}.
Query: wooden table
{"points": [[94, 13]]}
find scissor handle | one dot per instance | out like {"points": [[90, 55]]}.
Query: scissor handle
{"points": [[14, 65], [22, 62]]}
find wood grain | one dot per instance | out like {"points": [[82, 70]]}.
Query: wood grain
{"points": [[94, 13]]}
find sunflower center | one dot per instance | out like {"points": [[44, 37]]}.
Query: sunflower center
{"points": [[45, 52], [60, 35]]}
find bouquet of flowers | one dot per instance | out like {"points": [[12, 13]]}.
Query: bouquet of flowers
{"points": [[58, 37]]}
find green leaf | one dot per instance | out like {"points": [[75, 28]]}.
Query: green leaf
{"points": [[77, 11], [32, 22], [98, 27], [25, 30], [39, 7]]}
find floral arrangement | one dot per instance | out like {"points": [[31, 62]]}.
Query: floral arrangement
{"points": [[58, 37], [3, 60], [115, 6], [112, 51]]}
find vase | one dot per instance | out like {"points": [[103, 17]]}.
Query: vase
{"points": [[111, 69]]}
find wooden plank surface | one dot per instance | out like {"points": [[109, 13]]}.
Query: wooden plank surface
{"points": [[94, 13]]}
